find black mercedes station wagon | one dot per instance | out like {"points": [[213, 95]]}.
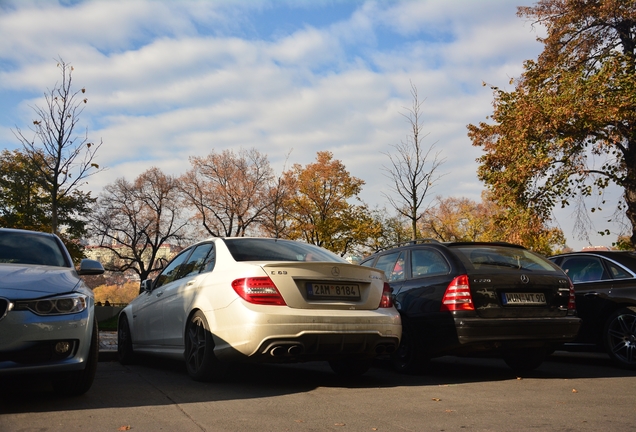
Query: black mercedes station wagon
{"points": [[477, 299]]}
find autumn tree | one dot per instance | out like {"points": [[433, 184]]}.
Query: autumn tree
{"points": [[275, 221], [63, 157], [134, 220], [567, 130], [463, 219], [459, 219], [228, 192], [320, 209], [390, 230], [413, 168]]}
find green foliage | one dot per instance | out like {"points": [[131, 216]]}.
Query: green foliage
{"points": [[25, 204]]}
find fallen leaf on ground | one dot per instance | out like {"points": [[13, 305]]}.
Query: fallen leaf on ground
{"points": [[575, 391], [124, 428], [436, 399]]}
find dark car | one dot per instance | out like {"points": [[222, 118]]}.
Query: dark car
{"points": [[477, 299], [605, 286]]}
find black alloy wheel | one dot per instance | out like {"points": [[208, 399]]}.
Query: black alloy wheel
{"points": [[125, 351], [201, 363], [620, 337]]}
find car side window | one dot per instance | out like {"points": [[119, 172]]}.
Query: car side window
{"points": [[393, 266], [617, 272], [584, 269], [367, 263], [426, 262], [197, 261], [171, 271]]}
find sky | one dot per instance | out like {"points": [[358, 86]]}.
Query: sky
{"points": [[169, 80]]}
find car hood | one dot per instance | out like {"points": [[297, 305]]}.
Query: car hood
{"points": [[26, 282]]}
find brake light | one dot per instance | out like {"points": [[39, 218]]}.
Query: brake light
{"points": [[457, 296], [572, 301], [387, 298], [258, 290]]}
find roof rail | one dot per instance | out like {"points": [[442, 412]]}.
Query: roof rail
{"points": [[410, 242]]}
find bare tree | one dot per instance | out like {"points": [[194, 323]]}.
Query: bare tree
{"points": [[413, 168], [228, 192], [276, 221], [135, 220], [63, 158]]}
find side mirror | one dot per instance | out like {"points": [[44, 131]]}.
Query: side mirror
{"points": [[146, 286], [90, 267]]}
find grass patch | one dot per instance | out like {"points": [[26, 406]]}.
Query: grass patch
{"points": [[109, 325]]}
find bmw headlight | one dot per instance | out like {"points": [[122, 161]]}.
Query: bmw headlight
{"points": [[62, 305]]}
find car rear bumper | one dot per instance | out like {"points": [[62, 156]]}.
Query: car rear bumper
{"points": [[552, 330], [28, 342], [298, 335]]}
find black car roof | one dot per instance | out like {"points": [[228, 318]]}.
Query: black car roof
{"points": [[626, 258]]}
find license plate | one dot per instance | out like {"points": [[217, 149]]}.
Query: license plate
{"points": [[524, 299], [324, 290]]}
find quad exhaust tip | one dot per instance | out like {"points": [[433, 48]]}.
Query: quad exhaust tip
{"points": [[286, 350]]}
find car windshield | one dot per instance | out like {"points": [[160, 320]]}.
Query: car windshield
{"points": [[29, 248], [261, 249], [493, 256]]}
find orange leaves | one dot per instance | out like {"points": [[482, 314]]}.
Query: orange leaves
{"points": [[319, 207]]}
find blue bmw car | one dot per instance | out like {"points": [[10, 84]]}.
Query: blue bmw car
{"points": [[47, 315]]}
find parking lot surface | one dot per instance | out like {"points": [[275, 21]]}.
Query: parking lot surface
{"points": [[570, 392]]}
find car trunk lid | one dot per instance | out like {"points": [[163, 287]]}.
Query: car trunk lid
{"points": [[511, 293], [327, 285]]}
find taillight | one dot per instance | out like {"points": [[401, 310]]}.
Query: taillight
{"points": [[387, 299], [258, 290], [572, 301], [457, 296]]}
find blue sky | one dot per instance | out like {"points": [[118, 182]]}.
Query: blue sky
{"points": [[167, 80]]}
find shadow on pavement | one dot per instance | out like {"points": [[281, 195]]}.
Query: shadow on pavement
{"points": [[155, 382]]}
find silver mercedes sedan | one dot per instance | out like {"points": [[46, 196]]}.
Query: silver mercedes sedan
{"points": [[225, 300], [47, 318]]}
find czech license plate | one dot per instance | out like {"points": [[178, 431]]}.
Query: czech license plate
{"points": [[524, 299], [325, 290]]}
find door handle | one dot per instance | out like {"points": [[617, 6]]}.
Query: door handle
{"points": [[159, 294], [591, 294]]}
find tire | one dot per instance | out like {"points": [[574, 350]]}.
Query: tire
{"points": [[620, 337], [201, 363], [125, 352], [79, 382], [350, 367], [525, 359], [409, 358]]}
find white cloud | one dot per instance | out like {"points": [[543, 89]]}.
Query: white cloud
{"points": [[169, 80]]}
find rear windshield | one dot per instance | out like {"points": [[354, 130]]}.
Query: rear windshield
{"points": [[492, 257], [260, 249], [28, 248]]}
